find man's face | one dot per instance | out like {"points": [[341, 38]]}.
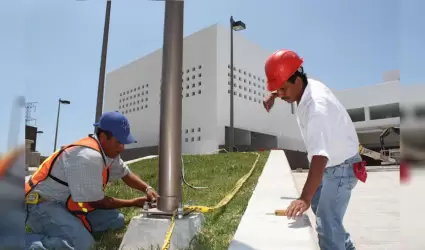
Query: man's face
{"points": [[111, 147], [291, 92]]}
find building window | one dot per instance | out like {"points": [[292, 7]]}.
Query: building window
{"points": [[193, 130], [199, 91], [357, 114], [193, 85], [187, 131], [199, 83], [146, 106], [186, 140], [200, 67], [193, 93], [193, 138], [193, 77], [193, 69], [384, 111], [199, 138], [187, 94], [199, 75], [199, 129]]}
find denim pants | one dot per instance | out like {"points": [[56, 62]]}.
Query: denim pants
{"points": [[53, 227], [330, 203]]}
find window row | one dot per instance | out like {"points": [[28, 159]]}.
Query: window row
{"points": [[248, 97], [142, 87], [192, 139], [255, 84], [134, 96], [199, 75], [134, 109], [193, 93], [193, 69], [260, 93], [245, 73], [193, 85], [192, 130], [133, 103]]}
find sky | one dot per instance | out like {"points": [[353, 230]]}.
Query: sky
{"points": [[51, 49]]}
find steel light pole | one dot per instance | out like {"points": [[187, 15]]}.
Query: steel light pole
{"points": [[169, 180], [101, 85], [234, 26], [57, 120]]}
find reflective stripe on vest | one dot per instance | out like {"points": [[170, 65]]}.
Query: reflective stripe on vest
{"points": [[79, 209]]}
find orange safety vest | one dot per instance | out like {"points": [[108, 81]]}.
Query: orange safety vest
{"points": [[79, 209]]}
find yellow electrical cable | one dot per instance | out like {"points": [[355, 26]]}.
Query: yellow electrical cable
{"points": [[205, 209]]}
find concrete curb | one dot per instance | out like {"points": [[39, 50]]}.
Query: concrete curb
{"points": [[259, 227]]}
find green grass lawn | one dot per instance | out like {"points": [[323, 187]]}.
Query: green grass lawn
{"points": [[219, 172]]}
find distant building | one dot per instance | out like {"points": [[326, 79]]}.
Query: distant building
{"points": [[134, 89]]}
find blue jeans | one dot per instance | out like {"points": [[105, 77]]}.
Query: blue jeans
{"points": [[330, 203], [55, 228]]}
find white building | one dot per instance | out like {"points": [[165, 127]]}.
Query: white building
{"points": [[134, 89]]}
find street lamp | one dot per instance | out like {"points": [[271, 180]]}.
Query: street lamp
{"points": [[234, 26], [57, 120], [101, 85]]}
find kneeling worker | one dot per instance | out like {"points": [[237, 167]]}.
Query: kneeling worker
{"points": [[65, 197]]}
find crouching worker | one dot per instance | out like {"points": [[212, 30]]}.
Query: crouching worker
{"points": [[65, 199]]}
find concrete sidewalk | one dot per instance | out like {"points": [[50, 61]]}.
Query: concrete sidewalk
{"points": [[259, 227], [373, 215]]}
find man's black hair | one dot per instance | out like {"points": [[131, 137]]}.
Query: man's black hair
{"points": [[107, 133], [299, 73]]}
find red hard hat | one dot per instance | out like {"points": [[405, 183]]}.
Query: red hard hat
{"points": [[280, 66]]}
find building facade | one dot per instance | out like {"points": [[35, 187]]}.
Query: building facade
{"points": [[134, 90]]}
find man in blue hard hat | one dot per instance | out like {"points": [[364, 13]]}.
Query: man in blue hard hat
{"points": [[65, 197]]}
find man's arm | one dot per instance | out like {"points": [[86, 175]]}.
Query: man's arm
{"points": [[317, 137], [113, 203], [133, 181], [121, 170], [83, 169], [314, 178]]}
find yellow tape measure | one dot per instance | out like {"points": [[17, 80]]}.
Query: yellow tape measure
{"points": [[32, 198], [205, 209]]}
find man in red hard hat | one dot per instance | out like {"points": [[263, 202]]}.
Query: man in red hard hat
{"points": [[331, 142]]}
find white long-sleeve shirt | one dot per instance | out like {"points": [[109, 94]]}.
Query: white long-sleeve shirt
{"points": [[326, 127]]}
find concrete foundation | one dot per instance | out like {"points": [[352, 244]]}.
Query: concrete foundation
{"points": [[149, 232]]}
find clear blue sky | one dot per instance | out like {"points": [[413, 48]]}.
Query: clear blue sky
{"points": [[51, 49]]}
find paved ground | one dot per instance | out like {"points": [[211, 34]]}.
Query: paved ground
{"points": [[373, 216]]}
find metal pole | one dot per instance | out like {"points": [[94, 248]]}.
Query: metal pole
{"points": [[231, 128], [57, 125], [171, 108], [101, 85]]}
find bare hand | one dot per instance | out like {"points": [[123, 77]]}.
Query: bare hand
{"points": [[152, 195], [297, 208], [269, 102], [139, 202]]}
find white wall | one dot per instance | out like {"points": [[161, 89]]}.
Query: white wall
{"points": [[249, 58], [206, 108], [198, 106]]}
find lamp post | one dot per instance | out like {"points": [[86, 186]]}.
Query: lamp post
{"points": [[234, 26], [169, 180], [57, 120], [101, 85]]}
